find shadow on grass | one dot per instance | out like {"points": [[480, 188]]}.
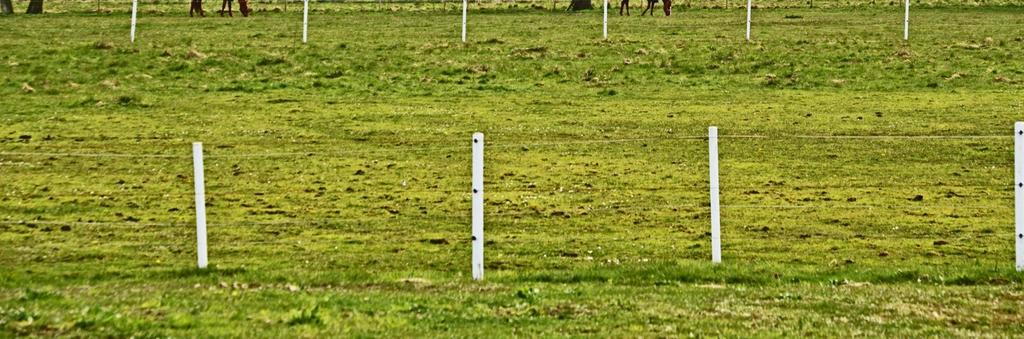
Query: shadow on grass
{"points": [[662, 274], [211, 271]]}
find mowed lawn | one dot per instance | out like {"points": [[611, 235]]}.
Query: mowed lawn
{"points": [[867, 182]]}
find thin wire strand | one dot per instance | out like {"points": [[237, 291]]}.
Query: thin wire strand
{"points": [[868, 137], [514, 145], [93, 155], [517, 214]]}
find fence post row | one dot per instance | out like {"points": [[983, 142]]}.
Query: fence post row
{"points": [[478, 206], [305, 19], [477, 226], [716, 218], [1018, 164], [135, 9], [197, 166]]}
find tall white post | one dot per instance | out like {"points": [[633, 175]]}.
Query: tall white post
{"points": [[606, 19], [465, 3], [716, 218], [197, 165], [906, 22], [135, 10], [305, 21], [749, 3], [478, 206], [1018, 162]]}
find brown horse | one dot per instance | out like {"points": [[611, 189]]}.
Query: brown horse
{"points": [[650, 7], [243, 6], [226, 4], [197, 7]]}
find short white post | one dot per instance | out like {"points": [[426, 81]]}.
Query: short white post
{"points": [[748, 18], [305, 21], [465, 3], [197, 165], [135, 10], [1018, 162], [906, 22], [478, 206], [716, 218], [606, 19]]}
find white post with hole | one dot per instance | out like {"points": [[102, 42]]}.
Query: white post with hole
{"points": [[1018, 162], [749, 4], [135, 10], [305, 21], [478, 206], [716, 217], [197, 165], [906, 21], [465, 3], [606, 19]]}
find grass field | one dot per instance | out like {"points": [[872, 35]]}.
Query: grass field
{"points": [[338, 172]]}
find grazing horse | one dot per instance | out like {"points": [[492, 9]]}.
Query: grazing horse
{"points": [[243, 6], [197, 7], [650, 7], [227, 3], [667, 7], [624, 4]]}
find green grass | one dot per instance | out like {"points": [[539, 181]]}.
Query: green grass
{"points": [[338, 172]]}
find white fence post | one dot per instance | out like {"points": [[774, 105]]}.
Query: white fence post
{"points": [[748, 18], [465, 3], [305, 21], [1018, 162], [716, 219], [135, 10], [606, 19], [478, 206], [906, 22], [197, 165]]}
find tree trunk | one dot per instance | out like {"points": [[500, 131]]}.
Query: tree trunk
{"points": [[578, 5], [35, 7], [6, 7]]}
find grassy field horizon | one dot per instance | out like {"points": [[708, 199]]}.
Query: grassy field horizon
{"points": [[867, 182]]}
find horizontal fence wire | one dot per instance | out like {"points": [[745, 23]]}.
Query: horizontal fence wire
{"points": [[308, 153], [464, 218], [948, 42], [546, 4], [182, 18], [217, 154], [250, 244], [552, 192], [762, 25], [307, 141], [449, 32], [870, 137], [93, 155]]}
